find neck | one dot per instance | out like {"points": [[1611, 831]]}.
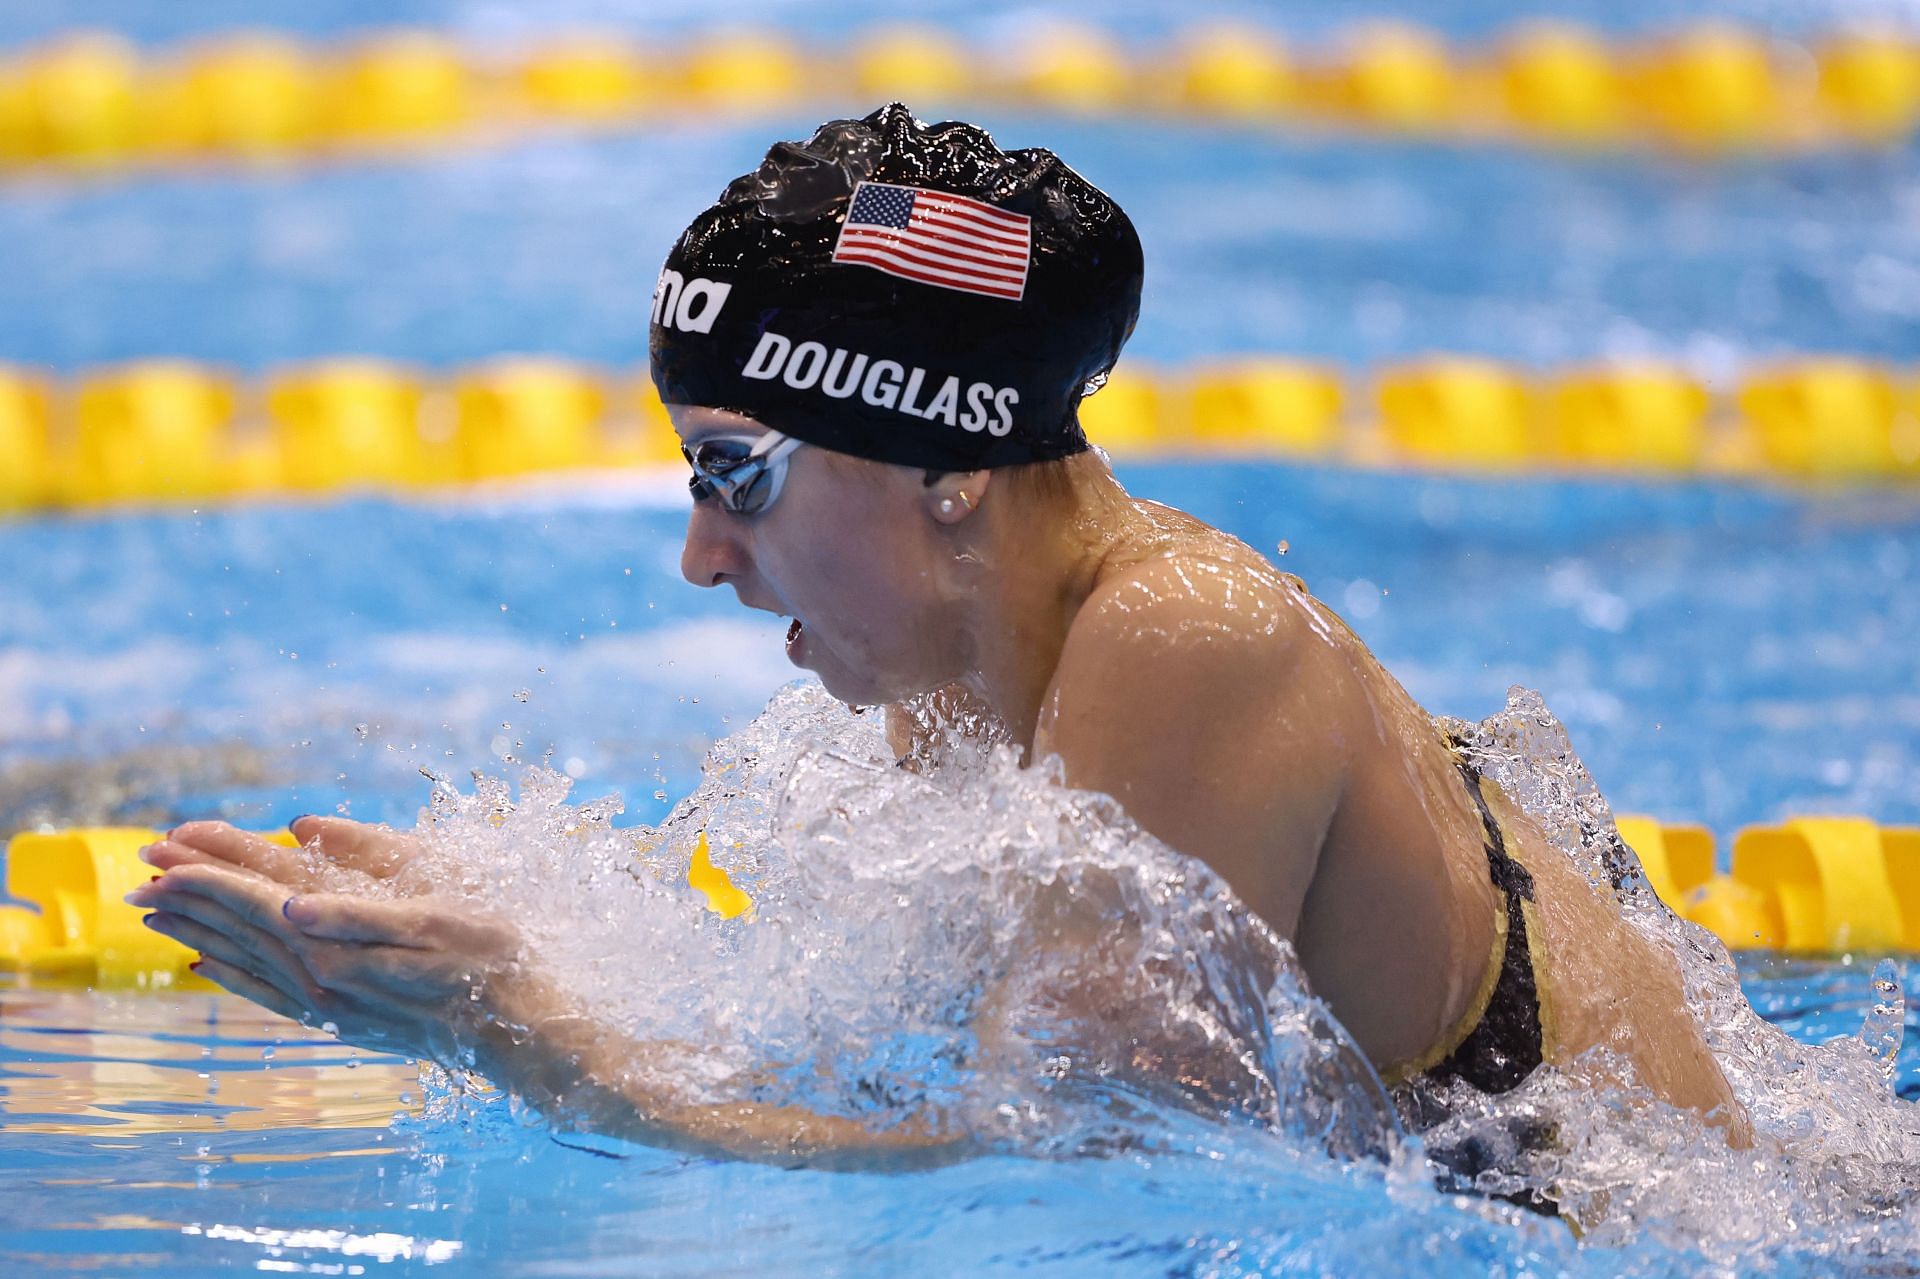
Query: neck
{"points": [[1039, 574]]}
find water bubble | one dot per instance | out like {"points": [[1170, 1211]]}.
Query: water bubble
{"points": [[1886, 1024], [522, 694], [360, 731]]}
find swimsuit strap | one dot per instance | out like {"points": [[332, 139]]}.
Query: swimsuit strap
{"points": [[1509, 876]]}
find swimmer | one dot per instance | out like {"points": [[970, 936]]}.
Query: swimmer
{"points": [[873, 348]]}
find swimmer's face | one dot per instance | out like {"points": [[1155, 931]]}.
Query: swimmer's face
{"points": [[851, 550]]}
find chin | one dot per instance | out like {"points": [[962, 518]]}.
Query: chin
{"points": [[867, 688], [846, 687]]}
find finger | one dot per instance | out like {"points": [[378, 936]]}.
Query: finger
{"points": [[324, 977], [243, 849], [164, 855], [187, 890], [413, 923], [247, 986], [379, 851], [232, 942]]}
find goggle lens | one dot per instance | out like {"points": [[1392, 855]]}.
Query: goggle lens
{"points": [[744, 473]]}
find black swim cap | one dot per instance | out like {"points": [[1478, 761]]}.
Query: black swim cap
{"points": [[903, 292]]}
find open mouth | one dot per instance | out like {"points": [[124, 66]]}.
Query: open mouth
{"points": [[794, 631]]}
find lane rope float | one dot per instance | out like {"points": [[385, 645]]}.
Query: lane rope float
{"points": [[184, 432], [1811, 886], [91, 101]]}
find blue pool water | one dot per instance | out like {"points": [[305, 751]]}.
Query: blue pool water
{"points": [[146, 1133], [1724, 655], [1721, 653], [1355, 250]]}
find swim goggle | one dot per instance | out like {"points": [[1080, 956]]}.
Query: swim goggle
{"points": [[744, 471]]}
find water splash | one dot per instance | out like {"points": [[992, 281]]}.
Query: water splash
{"points": [[1835, 1167], [980, 942]]}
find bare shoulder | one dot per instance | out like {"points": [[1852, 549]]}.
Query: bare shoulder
{"points": [[1204, 601], [1198, 688], [1203, 644]]}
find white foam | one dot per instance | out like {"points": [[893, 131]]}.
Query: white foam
{"points": [[984, 945]]}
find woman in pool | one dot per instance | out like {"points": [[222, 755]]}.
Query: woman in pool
{"points": [[873, 348]]}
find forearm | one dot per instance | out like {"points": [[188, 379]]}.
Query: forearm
{"points": [[580, 1073]]}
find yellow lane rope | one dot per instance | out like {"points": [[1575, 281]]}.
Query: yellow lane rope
{"points": [[177, 431], [1811, 886], [93, 101]]}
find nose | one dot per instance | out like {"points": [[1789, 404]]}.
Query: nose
{"points": [[715, 552]]}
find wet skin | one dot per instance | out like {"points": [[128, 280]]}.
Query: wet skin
{"points": [[1162, 661]]}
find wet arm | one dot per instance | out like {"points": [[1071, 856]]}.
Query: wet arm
{"points": [[585, 1074], [400, 975]]}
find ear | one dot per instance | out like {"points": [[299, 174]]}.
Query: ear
{"points": [[956, 495]]}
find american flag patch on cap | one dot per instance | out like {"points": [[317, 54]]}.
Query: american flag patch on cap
{"points": [[937, 238]]}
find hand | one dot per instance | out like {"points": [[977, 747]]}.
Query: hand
{"points": [[378, 852], [420, 975]]}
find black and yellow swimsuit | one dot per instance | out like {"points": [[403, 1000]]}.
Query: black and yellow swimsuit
{"points": [[1503, 1036]]}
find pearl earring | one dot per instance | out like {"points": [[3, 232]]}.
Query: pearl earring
{"points": [[946, 506]]}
